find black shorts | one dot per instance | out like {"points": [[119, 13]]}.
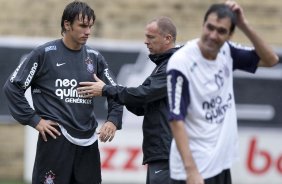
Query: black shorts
{"points": [[158, 172], [58, 161], [223, 178]]}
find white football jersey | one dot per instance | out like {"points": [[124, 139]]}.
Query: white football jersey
{"points": [[200, 92]]}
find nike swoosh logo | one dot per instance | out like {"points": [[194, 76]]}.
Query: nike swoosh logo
{"points": [[156, 172], [60, 64]]}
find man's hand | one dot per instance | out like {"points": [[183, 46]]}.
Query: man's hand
{"points": [[91, 89], [47, 126], [194, 178], [107, 132], [235, 7]]}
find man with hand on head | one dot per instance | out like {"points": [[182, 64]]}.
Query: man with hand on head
{"points": [[148, 99], [53, 71], [201, 97]]}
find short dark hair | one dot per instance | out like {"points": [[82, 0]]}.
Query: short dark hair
{"points": [[222, 11], [73, 9], [166, 26]]}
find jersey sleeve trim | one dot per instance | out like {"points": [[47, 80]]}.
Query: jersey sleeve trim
{"points": [[178, 95], [244, 58]]}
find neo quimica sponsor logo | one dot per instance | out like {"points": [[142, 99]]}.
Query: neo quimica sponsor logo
{"points": [[66, 90]]}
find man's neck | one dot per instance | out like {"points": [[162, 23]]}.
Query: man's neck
{"points": [[71, 45]]}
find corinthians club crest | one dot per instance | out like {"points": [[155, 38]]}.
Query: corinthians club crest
{"points": [[49, 178], [89, 64]]}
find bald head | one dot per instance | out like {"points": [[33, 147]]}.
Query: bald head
{"points": [[165, 26], [160, 35]]}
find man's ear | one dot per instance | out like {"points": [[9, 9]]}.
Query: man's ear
{"points": [[168, 38], [67, 25], [231, 35]]}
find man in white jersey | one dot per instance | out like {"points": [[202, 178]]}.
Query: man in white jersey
{"points": [[201, 98]]}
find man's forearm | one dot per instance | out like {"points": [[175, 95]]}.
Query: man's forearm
{"points": [[182, 142], [265, 52]]}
